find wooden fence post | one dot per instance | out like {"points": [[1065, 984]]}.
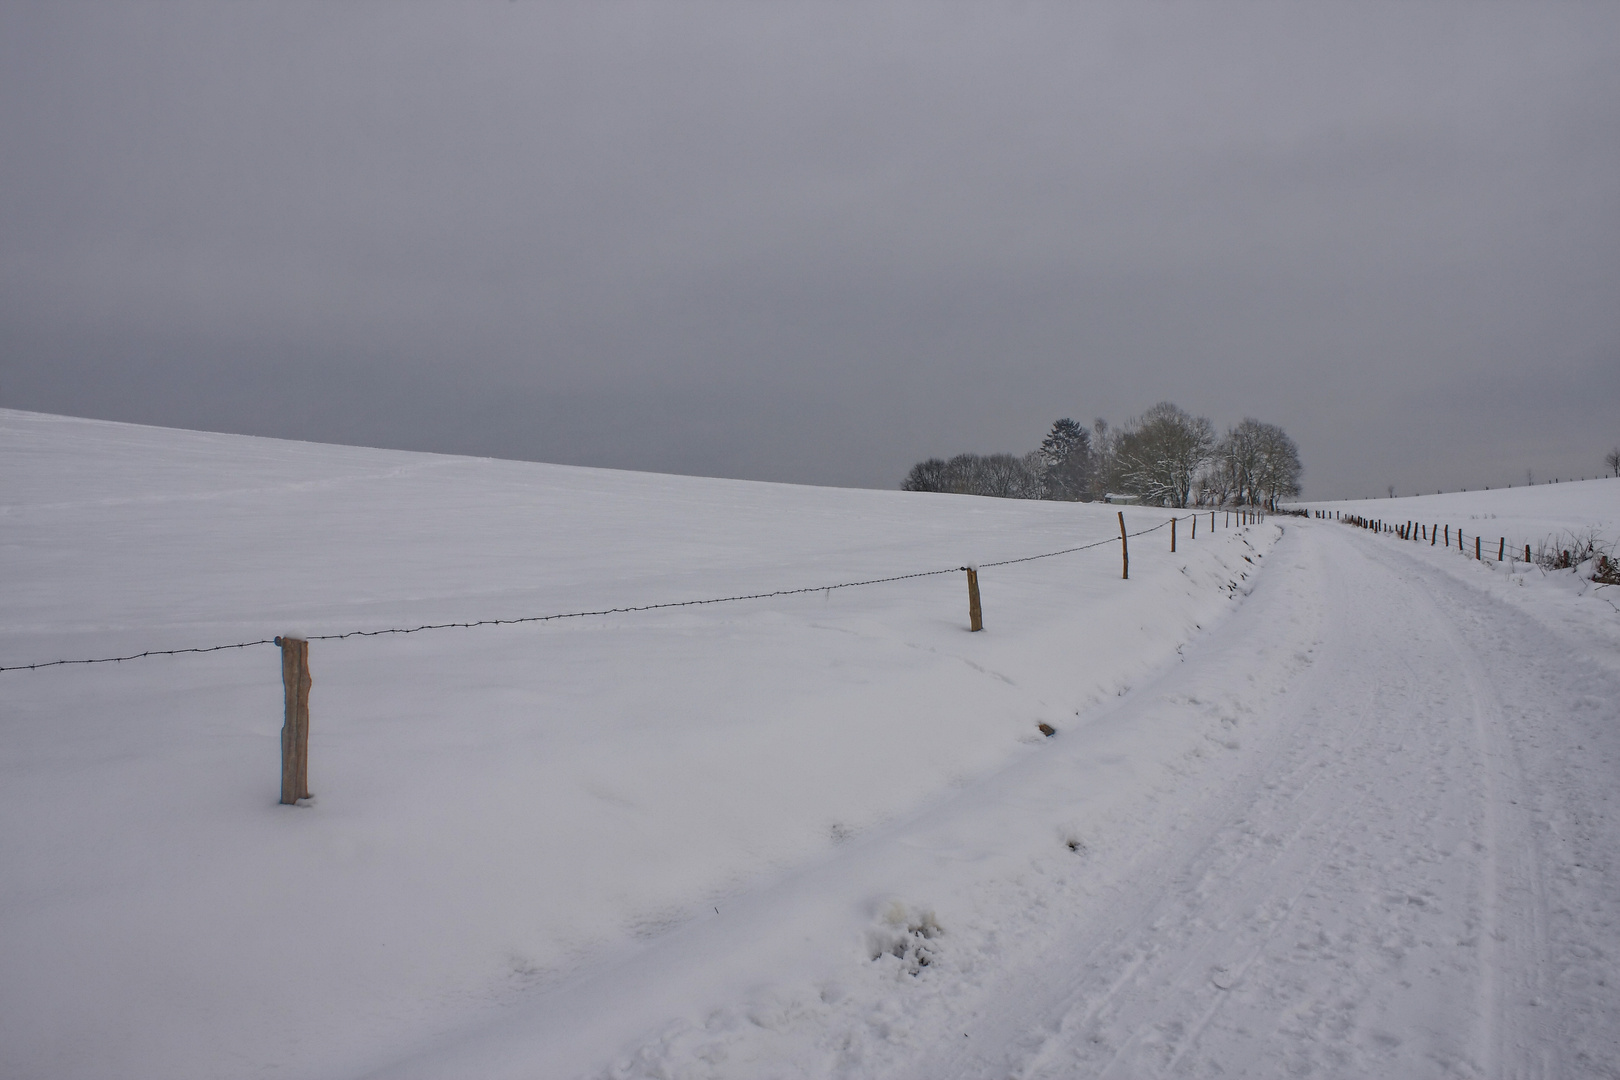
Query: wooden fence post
{"points": [[1448, 536], [1476, 549], [1527, 553], [1434, 535], [1124, 548], [1501, 549], [1172, 535], [295, 682], [975, 613]]}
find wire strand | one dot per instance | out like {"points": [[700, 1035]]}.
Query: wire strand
{"points": [[576, 614]]}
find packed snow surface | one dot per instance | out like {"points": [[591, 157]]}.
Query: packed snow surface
{"points": [[1318, 800]]}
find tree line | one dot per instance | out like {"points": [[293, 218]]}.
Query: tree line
{"points": [[1165, 457]]}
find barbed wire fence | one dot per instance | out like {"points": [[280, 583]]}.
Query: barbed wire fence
{"points": [[296, 679], [590, 613], [1553, 554]]}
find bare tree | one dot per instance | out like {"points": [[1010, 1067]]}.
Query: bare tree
{"points": [[1104, 459], [1216, 483], [930, 475], [999, 475], [1260, 463], [1280, 467], [1612, 460], [1159, 456]]}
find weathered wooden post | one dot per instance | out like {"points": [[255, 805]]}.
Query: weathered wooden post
{"points": [[1124, 548], [1476, 549], [1434, 535], [295, 682], [1172, 535], [1501, 549], [1527, 553], [1448, 536], [1194, 527], [975, 613]]}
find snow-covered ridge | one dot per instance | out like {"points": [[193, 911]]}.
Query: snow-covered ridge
{"points": [[497, 811]]}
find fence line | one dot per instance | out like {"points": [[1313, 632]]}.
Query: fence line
{"points": [[1429, 532], [577, 614], [296, 679]]}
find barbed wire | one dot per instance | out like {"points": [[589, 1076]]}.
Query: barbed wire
{"points": [[1067, 551], [631, 609], [141, 655]]}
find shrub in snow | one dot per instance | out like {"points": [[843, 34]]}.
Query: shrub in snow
{"points": [[907, 934], [1569, 549]]}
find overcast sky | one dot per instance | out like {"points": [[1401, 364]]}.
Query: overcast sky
{"points": [[818, 242]]}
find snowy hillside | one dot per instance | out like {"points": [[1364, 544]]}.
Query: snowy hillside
{"points": [[1317, 800]]}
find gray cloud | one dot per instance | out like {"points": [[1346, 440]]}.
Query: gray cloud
{"points": [[819, 242]]}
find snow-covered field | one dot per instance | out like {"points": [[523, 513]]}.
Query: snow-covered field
{"points": [[1319, 801]]}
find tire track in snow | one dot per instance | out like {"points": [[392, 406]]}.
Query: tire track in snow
{"points": [[1331, 824], [1486, 713], [1306, 814], [1521, 1039]]}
